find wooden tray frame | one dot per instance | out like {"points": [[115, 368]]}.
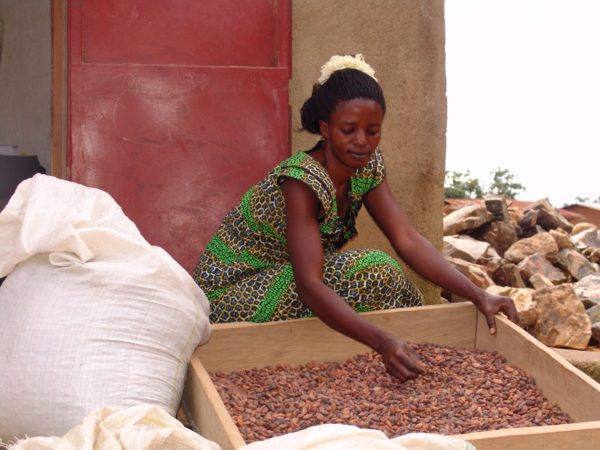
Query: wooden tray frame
{"points": [[244, 345]]}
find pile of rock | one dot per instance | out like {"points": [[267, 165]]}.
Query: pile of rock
{"points": [[548, 266]]}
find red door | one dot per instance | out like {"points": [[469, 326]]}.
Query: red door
{"points": [[176, 107]]}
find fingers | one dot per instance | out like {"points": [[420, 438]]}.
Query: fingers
{"points": [[412, 361], [401, 361], [414, 366], [410, 368], [403, 370], [393, 371], [498, 304], [491, 321]]}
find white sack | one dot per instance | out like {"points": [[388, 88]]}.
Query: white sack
{"points": [[150, 428], [92, 315], [349, 437], [136, 428]]}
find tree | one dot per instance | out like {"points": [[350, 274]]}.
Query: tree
{"points": [[579, 199], [462, 185], [503, 183]]}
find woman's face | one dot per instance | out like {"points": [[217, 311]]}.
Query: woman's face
{"points": [[353, 131]]}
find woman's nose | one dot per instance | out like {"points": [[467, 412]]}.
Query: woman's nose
{"points": [[361, 137]]}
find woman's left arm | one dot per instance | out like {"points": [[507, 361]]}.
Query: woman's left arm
{"points": [[426, 260]]}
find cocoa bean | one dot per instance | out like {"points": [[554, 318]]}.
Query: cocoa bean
{"points": [[461, 391]]}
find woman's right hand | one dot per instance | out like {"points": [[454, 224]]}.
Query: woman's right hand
{"points": [[400, 360]]}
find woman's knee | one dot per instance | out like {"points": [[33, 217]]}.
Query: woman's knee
{"points": [[373, 263], [385, 276]]}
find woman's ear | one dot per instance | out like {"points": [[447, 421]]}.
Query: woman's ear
{"points": [[324, 129]]}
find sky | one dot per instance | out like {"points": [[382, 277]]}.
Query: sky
{"points": [[523, 87]]}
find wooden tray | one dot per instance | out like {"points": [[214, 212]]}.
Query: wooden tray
{"points": [[245, 345]]}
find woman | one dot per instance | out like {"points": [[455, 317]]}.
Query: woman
{"points": [[276, 256]]}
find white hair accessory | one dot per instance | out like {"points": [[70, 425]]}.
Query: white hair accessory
{"points": [[339, 62]]}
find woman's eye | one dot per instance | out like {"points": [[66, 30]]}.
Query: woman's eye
{"points": [[347, 131], [373, 132]]}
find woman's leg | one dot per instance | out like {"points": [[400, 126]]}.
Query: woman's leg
{"points": [[255, 298], [370, 280]]}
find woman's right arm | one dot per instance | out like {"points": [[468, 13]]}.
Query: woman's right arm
{"points": [[306, 254]]}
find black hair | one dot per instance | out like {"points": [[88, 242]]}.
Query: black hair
{"points": [[345, 84]]}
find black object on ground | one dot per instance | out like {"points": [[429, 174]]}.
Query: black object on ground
{"points": [[13, 170]]}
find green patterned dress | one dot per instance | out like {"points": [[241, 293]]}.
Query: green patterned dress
{"points": [[245, 270]]}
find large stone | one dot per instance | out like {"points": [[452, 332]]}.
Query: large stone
{"points": [[523, 299], [490, 256], [539, 281], [575, 263], [562, 238], [594, 314], [528, 220], [592, 254], [537, 264], [586, 361], [515, 214], [549, 217], [562, 320], [589, 238], [542, 243], [596, 335], [550, 220], [464, 247], [450, 207], [500, 235], [473, 272], [588, 290], [579, 227], [497, 206], [504, 273], [465, 219]]}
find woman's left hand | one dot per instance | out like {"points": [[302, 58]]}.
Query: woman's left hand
{"points": [[490, 304]]}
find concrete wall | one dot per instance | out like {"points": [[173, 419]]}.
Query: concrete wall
{"points": [[25, 76], [404, 42]]}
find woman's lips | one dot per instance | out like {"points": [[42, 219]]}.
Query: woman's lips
{"points": [[359, 155]]}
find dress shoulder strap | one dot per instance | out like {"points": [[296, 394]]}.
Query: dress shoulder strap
{"points": [[305, 168]]}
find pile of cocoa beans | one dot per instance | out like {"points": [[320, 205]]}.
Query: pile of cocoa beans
{"points": [[461, 391]]}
